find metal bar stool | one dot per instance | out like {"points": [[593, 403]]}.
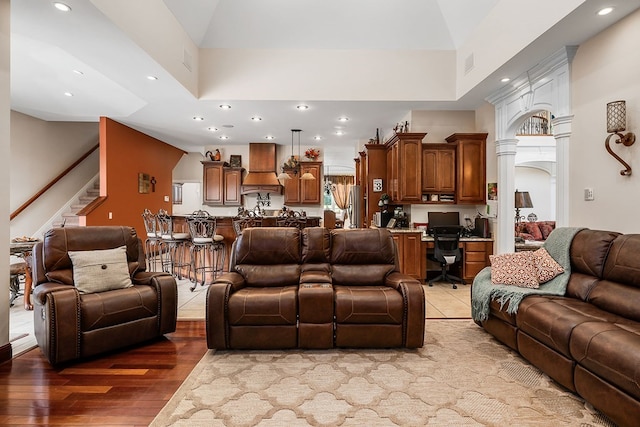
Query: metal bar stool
{"points": [[207, 248], [173, 246], [152, 243]]}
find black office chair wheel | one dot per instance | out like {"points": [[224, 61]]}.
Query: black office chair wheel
{"points": [[455, 286]]}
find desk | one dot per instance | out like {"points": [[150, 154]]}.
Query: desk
{"points": [[475, 253], [23, 250]]}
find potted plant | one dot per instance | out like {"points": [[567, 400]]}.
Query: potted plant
{"points": [[384, 199]]}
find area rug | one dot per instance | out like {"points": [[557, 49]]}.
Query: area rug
{"points": [[461, 377]]}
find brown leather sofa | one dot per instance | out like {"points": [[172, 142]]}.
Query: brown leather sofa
{"points": [[69, 324], [314, 288], [589, 339]]}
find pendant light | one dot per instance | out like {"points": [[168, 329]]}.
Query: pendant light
{"points": [[292, 161], [307, 176]]}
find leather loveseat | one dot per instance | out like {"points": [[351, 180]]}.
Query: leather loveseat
{"points": [[71, 324], [589, 339], [314, 288]]}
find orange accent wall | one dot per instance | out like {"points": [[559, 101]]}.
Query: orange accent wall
{"points": [[125, 152]]}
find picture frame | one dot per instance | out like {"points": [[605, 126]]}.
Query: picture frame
{"points": [[144, 183], [235, 161], [391, 223]]}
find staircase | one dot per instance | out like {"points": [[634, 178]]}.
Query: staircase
{"points": [[69, 218]]}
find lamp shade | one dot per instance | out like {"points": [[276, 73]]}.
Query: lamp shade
{"points": [[307, 176], [523, 200], [616, 116]]}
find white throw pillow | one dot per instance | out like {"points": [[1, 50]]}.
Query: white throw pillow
{"points": [[100, 270]]}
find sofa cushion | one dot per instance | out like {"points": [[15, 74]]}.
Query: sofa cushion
{"points": [[275, 275], [552, 319], [597, 346], [100, 270], [514, 269], [104, 309], [368, 305], [589, 250], [546, 227], [268, 246], [264, 306]]}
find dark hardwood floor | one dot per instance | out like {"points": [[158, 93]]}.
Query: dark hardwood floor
{"points": [[125, 388]]}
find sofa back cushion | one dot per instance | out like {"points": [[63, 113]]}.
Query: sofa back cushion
{"points": [[361, 256], [619, 292], [268, 256], [57, 243]]}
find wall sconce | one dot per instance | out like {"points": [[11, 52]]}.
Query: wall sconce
{"points": [[616, 123]]}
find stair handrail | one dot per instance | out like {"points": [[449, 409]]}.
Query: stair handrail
{"points": [[53, 182]]}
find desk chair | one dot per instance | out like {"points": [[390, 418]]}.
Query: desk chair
{"points": [[447, 252]]}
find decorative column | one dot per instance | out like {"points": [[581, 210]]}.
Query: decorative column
{"points": [[506, 152], [562, 134]]}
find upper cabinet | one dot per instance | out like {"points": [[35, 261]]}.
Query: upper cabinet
{"points": [[471, 167], [302, 191], [404, 167], [221, 185], [438, 168]]}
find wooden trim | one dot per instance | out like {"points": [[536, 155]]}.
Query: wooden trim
{"points": [[6, 352], [35, 197], [91, 206]]}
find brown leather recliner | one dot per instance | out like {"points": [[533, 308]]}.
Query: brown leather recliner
{"points": [[314, 289], [70, 325]]}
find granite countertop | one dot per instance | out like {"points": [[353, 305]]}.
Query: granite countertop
{"points": [[426, 238]]}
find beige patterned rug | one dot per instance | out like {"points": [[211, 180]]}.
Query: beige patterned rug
{"points": [[461, 377]]}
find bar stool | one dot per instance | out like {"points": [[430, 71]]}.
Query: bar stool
{"points": [[173, 245], [153, 241], [205, 245]]}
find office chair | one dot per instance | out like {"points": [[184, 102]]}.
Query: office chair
{"points": [[447, 252]]}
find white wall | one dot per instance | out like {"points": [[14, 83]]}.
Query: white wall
{"points": [[53, 146], [605, 69], [538, 183]]}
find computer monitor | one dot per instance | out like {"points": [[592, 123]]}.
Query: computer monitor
{"points": [[440, 219]]}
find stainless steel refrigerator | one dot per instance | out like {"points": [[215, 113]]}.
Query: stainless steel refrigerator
{"points": [[355, 207]]}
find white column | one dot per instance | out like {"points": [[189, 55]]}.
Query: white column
{"points": [[5, 119], [562, 134], [506, 152]]}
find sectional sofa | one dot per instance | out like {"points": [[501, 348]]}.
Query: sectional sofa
{"points": [[588, 340]]}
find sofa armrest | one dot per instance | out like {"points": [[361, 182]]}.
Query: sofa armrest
{"points": [[413, 294], [167, 291], [216, 308], [315, 276], [56, 321]]}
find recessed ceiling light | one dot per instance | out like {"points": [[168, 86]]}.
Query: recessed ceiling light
{"points": [[68, 94], [505, 79], [269, 137], [152, 78], [302, 107], [256, 118], [339, 132], [61, 6], [317, 137], [78, 72], [605, 11], [198, 118], [212, 129], [225, 106], [343, 119], [223, 137]]}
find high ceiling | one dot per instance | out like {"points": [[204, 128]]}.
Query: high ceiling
{"points": [[101, 40]]}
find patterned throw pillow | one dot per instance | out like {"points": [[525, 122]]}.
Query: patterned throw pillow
{"points": [[546, 228], [514, 269], [534, 229], [547, 267]]}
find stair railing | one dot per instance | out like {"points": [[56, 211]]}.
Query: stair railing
{"points": [[35, 197]]}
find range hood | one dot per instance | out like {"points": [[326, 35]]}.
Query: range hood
{"points": [[262, 170]]}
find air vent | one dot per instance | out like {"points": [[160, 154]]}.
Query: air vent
{"points": [[468, 64]]}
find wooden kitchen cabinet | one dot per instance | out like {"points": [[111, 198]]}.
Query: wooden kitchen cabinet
{"points": [[409, 254], [232, 184], [221, 185], [438, 168], [404, 166], [304, 192], [471, 167], [475, 258]]}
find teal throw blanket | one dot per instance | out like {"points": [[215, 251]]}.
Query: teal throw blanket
{"points": [[483, 291]]}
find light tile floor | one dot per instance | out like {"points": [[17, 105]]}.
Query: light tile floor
{"points": [[443, 302]]}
